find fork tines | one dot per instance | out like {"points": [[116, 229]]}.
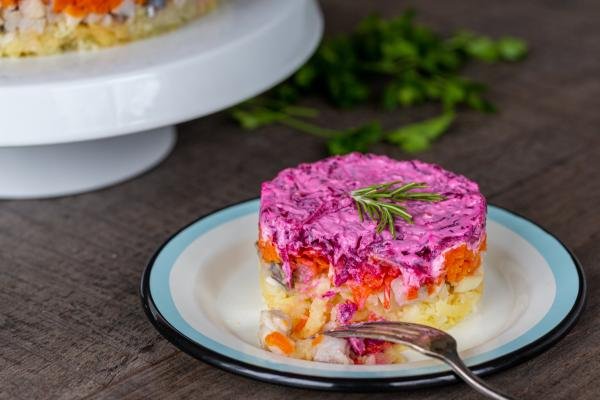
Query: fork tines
{"points": [[397, 332], [377, 332]]}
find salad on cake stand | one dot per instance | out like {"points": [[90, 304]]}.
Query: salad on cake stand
{"points": [[81, 110]]}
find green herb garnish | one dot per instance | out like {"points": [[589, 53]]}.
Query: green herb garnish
{"points": [[398, 61], [383, 202]]}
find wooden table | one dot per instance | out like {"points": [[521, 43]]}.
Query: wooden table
{"points": [[71, 324]]}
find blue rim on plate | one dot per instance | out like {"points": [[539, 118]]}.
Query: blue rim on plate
{"points": [[565, 310]]}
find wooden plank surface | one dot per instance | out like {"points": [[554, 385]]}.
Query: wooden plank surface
{"points": [[71, 325]]}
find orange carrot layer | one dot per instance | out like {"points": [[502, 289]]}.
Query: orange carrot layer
{"points": [[268, 252], [461, 262], [282, 342], [80, 8], [311, 259], [7, 3]]}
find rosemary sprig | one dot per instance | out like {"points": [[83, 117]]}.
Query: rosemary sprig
{"points": [[382, 202]]}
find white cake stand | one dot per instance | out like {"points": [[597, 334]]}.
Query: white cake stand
{"points": [[78, 122]]}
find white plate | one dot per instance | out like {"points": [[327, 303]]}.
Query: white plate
{"points": [[201, 292]]}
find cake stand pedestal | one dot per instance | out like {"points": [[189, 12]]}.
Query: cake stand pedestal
{"points": [[62, 169], [78, 122]]}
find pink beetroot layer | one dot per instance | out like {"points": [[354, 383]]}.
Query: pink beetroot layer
{"points": [[310, 207]]}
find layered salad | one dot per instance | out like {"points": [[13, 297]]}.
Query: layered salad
{"points": [[366, 238], [41, 27]]}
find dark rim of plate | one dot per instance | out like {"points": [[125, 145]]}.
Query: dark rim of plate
{"points": [[355, 384]]}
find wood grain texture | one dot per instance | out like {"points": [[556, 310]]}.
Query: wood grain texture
{"points": [[71, 325]]}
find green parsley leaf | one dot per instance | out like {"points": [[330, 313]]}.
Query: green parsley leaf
{"points": [[512, 49], [405, 94], [478, 103], [418, 136], [355, 139], [306, 75], [483, 48], [256, 118], [286, 93], [454, 92], [345, 90]]}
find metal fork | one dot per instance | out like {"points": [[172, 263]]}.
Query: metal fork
{"points": [[424, 339]]}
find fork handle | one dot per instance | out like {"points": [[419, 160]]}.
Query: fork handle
{"points": [[459, 367]]}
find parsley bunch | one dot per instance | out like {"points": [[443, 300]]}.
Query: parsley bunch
{"points": [[416, 65]]}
